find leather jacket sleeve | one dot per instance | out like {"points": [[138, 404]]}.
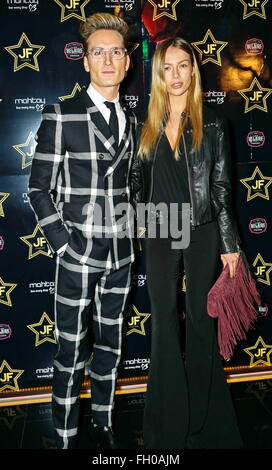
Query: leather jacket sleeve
{"points": [[136, 175], [221, 191]]}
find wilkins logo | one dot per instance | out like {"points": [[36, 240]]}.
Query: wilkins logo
{"points": [[257, 226], [5, 331]]}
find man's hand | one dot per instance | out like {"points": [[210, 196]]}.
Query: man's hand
{"points": [[230, 259]]}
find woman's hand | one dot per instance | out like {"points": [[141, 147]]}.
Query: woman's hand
{"points": [[230, 259]]}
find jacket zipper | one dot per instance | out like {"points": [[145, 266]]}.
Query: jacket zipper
{"points": [[189, 181]]}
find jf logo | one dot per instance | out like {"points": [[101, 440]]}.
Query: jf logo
{"points": [[72, 9], [36, 242], [76, 89], [3, 197], [259, 353], [26, 150], [5, 290], [259, 388], [257, 185], [136, 322], [44, 330], [10, 414], [255, 96], [164, 8], [262, 270], [209, 49], [254, 7], [9, 377], [25, 54]]}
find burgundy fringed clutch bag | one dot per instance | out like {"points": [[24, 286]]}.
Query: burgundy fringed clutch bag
{"points": [[232, 300]]}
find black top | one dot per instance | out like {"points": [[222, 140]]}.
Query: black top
{"points": [[170, 175]]}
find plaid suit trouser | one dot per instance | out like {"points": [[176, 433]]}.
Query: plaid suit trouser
{"points": [[84, 294]]}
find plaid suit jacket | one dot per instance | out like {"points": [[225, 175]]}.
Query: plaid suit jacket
{"points": [[77, 179]]}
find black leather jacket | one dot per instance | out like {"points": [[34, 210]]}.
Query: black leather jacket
{"points": [[208, 176]]}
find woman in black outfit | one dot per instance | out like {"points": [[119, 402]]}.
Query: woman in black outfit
{"points": [[183, 158]]}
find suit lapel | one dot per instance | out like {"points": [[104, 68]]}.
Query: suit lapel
{"points": [[125, 141], [100, 128], [97, 123]]}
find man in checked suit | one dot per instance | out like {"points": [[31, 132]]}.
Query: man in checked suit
{"points": [[82, 162]]}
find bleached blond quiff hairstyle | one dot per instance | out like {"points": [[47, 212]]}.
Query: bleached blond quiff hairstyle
{"points": [[159, 105], [103, 21]]}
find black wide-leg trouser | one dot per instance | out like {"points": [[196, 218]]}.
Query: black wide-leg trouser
{"points": [[85, 295], [187, 404]]}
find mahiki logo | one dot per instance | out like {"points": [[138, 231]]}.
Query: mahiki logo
{"points": [[126, 4], [212, 96], [74, 50], [25, 198], [42, 287], [30, 5], [254, 46], [255, 139], [45, 373], [216, 4], [137, 363], [2, 243], [263, 310], [139, 280], [131, 100], [29, 104], [257, 225], [5, 331]]}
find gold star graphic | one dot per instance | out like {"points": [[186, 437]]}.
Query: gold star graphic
{"points": [[27, 154], [132, 46], [49, 443], [259, 388], [257, 187], [3, 197], [262, 270], [137, 320], [9, 377], [162, 9], [38, 246], [77, 88], [5, 290], [183, 283], [252, 7], [10, 414], [261, 349], [210, 48], [44, 330], [255, 95], [25, 57], [72, 9], [140, 232]]}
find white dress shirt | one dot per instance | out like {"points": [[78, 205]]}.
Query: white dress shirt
{"points": [[99, 100]]}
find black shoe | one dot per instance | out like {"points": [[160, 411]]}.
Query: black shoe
{"points": [[103, 437]]}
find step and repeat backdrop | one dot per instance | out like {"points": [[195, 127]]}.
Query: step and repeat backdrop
{"points": [[41, 62]]}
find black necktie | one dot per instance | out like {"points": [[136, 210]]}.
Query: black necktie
{"points": [[113, 122]]}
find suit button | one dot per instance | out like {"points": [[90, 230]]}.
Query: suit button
{"points": [[101, 156], [123, 194]]}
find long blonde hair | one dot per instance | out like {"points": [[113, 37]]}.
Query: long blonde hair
{"points": [[159, 105]]}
